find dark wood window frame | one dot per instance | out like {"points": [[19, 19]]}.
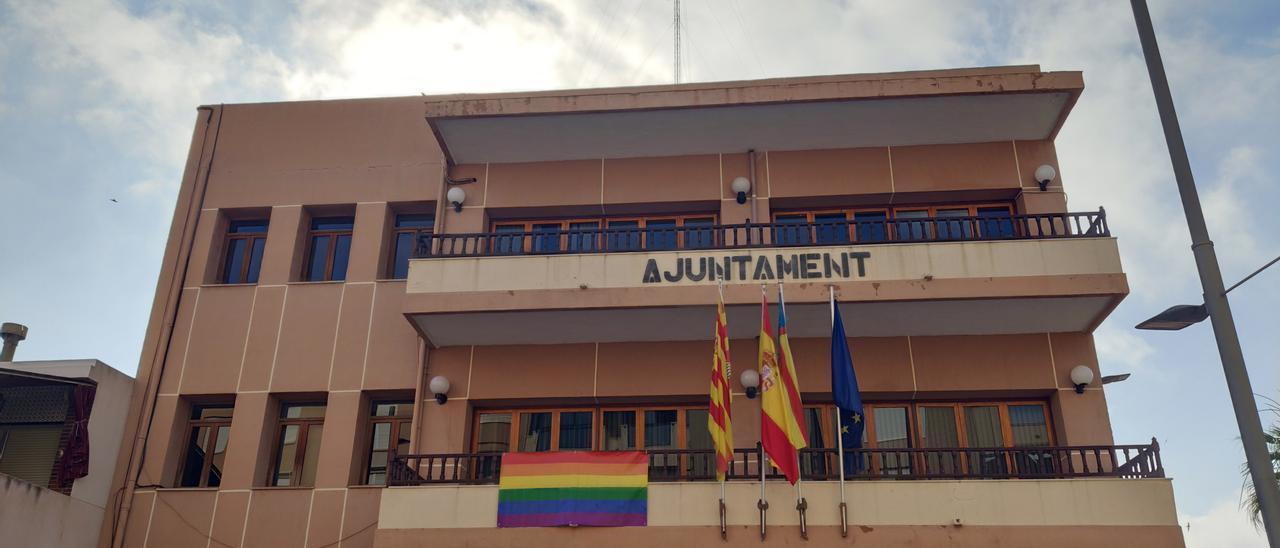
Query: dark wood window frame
{"points": [[413, 231], [215, 424], [333, 234], [304, 425], [397, 423], [565, 224], [246, 259]]}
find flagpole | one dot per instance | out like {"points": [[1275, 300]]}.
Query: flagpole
{"points": [[762, 504], [728, 375], [844, 508], [801, 504]]}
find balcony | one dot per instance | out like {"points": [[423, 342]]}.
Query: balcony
{"points": [[780, 234], [1035, 273], [681, 465]]}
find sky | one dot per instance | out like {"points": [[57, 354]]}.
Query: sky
{"points": [[98, 98]]}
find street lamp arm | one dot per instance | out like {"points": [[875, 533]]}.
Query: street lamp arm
{"points": [[1255, 273]]}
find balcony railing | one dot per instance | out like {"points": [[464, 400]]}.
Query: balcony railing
{"points": [[673, 465], [783, 233]]}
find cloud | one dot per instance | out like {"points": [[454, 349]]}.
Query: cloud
{"points": [[1120, 350], [1225, 525]]}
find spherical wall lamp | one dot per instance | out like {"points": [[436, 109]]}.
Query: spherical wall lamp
{"points": [[741, 186], [750, 380], [440, 387], [1081, 376], [1044, 175], [456, 196]]}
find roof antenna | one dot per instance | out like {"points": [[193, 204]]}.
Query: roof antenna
{"points": [[677, 17]]}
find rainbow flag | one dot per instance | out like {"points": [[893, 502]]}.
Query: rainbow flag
{"points": [[598, 488]]}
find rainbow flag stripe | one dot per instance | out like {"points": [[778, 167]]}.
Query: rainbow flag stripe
{"points": [[599, 488]]}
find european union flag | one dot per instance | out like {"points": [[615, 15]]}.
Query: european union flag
{"points": [[844, 389]]}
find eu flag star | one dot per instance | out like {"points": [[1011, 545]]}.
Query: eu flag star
{"points": [[857, 417]]}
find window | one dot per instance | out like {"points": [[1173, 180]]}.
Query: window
{"points": [[996, 222], [243, 260], [329, 249], [409, 232], [298, 445], [208, 431], [951, 222], [585, 235], [791, 235], [618, 431], [389, 428]]}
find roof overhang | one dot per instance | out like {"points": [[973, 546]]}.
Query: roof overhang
{"points": [[849, 111]]}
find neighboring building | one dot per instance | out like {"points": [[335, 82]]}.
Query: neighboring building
{"points": [[61, 423], [323, 269]]}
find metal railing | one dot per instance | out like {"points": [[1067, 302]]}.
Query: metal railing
{"points": [[676, 465], [553, 241]]}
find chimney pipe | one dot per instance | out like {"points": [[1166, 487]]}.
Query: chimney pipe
{"points": [[12, 333]]}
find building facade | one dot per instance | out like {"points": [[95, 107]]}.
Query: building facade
{"points": [[61, 422], [365, 302]]}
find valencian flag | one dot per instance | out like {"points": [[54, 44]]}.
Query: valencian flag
{"points": [[598, 488], [844, 389], [720, 415], [780, 432]]}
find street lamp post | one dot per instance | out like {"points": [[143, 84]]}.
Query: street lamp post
{"points": [[1215, 298]]}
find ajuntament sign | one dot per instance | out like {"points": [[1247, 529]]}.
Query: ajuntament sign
{"points": [[779, 266]]}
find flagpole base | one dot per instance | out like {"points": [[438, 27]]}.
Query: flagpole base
{"points": [[802, 505], [844, 519], [724, 529], [763, 505]]}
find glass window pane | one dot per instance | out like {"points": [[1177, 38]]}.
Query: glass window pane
{"points": [[510, 244], [402, 438], [938, 429], [792, 235], [248, 227], [624, 235], [333, 223], [952, 230], [575, 430], [814, 465], [892, 433], [302, 411], [194, 463], [535, 432], [235, 261], [996, 222], [377, 473], [660, 429], [661, 234], [584, 236], [201, 412], [341, 253], [415, 221], [698, 233], [831, 228], [393, 409], [381, 436], [219, 456], [697, 434], [255, 260], [312, 455], [404, 251], [287, 452], [911, 229], [982, 429], [318, 258], [1027, 423], [495, 433], [619, 431], [546, 238], [872, 225]]}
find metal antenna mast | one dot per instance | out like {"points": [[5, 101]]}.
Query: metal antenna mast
{"points": [[677, 17]]}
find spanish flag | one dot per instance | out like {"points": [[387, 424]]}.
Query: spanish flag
{"points": [[720, 417], [780, 430]]}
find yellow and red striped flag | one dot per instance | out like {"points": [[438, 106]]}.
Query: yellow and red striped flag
{"points": [[720, 416], [780, 431]]}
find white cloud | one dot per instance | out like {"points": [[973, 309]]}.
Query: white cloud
{"points": [[1121, 351], [1225, 525]]}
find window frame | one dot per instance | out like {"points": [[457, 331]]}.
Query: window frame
{"points": [[396, 422], [300, 452], [602, 223], [247, 254], [396, 231], [215, 424], [597, 423], [313, 234], [891, 214]]}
